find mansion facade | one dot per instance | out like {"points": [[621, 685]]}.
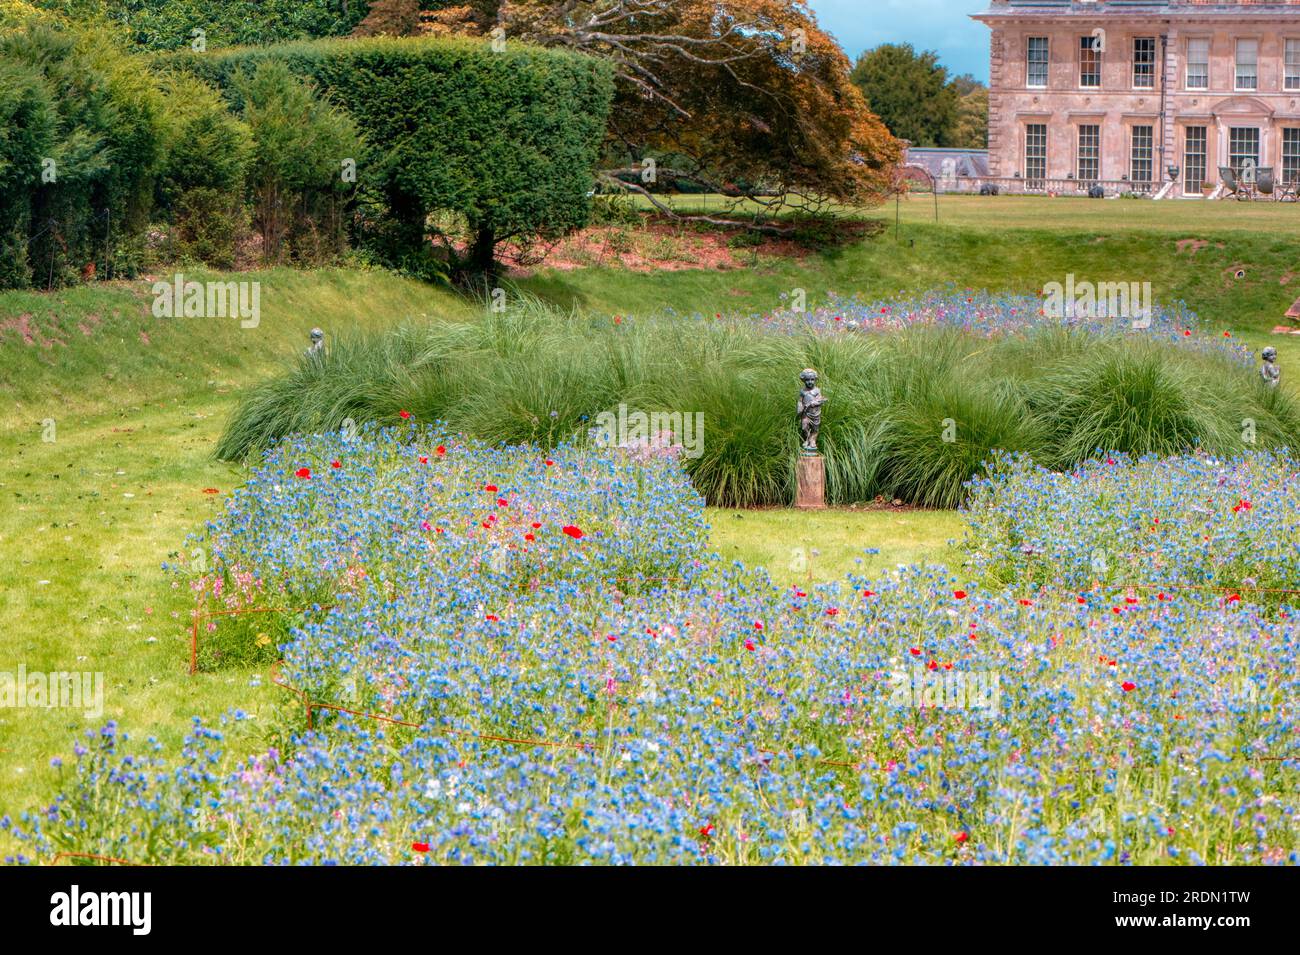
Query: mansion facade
{"points": [[1148, 96]]}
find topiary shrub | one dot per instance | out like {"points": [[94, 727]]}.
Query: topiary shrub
{"points": [[503, 142]]}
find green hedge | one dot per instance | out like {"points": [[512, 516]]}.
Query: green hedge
{"points": [[80, 145], [506, 141]]}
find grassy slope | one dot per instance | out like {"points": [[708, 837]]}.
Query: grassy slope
{"points": [[1015, 244], [153, 411]]}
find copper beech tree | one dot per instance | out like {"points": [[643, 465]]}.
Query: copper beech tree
{"points": [[744, 97]]}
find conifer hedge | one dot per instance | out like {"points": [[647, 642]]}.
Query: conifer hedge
{"points": [[505, 139]]}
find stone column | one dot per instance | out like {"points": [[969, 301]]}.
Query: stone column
{"points": [[810, 481]]}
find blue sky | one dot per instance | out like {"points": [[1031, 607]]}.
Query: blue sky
{"points": [[941, 25]]}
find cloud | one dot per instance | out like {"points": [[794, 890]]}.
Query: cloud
{"points": [[941, 25]]}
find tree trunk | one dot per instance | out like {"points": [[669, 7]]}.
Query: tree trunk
{"points": [[482, 256]]}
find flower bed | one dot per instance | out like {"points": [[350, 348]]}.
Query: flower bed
{"points": [[606, 692]]}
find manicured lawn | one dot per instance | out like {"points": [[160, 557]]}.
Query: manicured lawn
{"points": [[801, 547]]}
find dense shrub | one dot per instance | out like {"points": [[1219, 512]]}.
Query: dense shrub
{"points": [[913, 411], [503, 142], [26, 130], [300, 146], [98, 142], [202, 179], [170, 24]]}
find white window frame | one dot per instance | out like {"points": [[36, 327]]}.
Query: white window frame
{"points": [[1291, 64], [1030, 63], [1088, 43], [1237, 64], [1187, 73], [1155, 59]]}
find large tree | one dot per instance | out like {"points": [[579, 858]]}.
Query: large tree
{"points": [[971, 130], [749, 97], [910, 92]]}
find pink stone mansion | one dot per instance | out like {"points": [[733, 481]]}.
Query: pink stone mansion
{"points": [[1118, 93]]}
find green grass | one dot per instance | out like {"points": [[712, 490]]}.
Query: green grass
{"points": [[537, 374], [1006, 243], [154, 412], [802, 547]]}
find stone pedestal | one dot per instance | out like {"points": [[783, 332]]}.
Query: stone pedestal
{"points": [[810, 482]]}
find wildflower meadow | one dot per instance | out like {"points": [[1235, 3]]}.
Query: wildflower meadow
{"points": [[530, 656]]}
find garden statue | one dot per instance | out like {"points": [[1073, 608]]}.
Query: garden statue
{"points": [[317, 347], [809, 411], [1269, 370]]}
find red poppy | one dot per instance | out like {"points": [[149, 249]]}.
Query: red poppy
{"points": [[536, 525], [1234, 598], [424, 459], [868, 593], [916, 651], [530, 537], [749, 645], [490, 488], [420, 846], [336, 464], [932, 665], [758, 625], [502, 502], [1187, 332], [441, 450], [832, 611], [1161, 596], [1081, 600], [574, 532], [550, 463], [1128, 687], [210, 490], [705, 830], [404, 414], [1024, 602], [959, 594], [961, 837], [611, 638], [304, 473], [492, 617], [947, 666]]}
